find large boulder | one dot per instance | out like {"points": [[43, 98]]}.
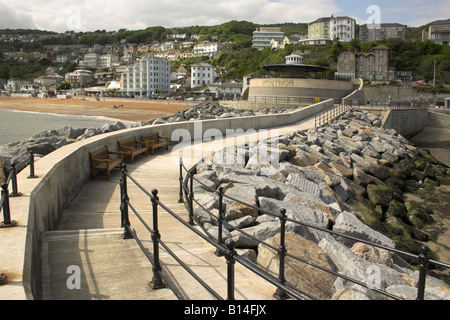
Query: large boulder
{"points": [[309, 279], [348, 224]]}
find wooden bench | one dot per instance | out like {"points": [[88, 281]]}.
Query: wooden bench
{"points": [[156, 141], [102, 160], [132, 147]]}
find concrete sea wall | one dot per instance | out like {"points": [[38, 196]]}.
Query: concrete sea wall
{"points": [[406, 121], [438, 119], [62, 173]]}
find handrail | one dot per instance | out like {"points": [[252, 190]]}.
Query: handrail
{"points": [[330, 114], [228, 248], [422, 258], [388, 104], [157, 282], [5, 194], [282, 100]]}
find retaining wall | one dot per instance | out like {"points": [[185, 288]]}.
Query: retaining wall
{"points": [[293, 87], [438, 119], [62, 174], [406, 121]]}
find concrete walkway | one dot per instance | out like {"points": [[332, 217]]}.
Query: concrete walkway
{"points": [[88, 241]]}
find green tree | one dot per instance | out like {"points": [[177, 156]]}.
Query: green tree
{"points": [[63, 86]]}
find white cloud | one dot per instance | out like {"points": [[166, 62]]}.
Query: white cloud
{"points": [[15, 17], [83, 15]]}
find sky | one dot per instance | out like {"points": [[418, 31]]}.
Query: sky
{"points": [[112, 15]]}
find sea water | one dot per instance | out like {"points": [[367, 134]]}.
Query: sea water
{"points": [[16, 126]]}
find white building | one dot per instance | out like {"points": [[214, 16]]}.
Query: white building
{"points": [[95, 60], [91, 60], [207, 49], [263, 36], [202, 74], [148, 76], [294, 59], [343, 28], [108, 61]]}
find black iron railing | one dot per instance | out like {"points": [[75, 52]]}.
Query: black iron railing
{"points": [[5, 194], [388, 104], [330, 114], [187, 196], [227, 248], [283, 100]]}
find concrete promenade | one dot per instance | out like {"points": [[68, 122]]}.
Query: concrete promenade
{"points": [[87, 241]]}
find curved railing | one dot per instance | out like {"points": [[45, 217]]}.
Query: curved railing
{"points": [[5, 194], [187, 196]]}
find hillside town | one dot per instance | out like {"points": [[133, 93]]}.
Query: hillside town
{"points": [[153, 70]]}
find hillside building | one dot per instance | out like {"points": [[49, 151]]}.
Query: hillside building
{"points": [[373, 66], [438, 31], [148, 76], [262, 37], [202, 74], [385, 31]]}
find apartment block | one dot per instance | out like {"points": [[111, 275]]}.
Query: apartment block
{"points": [[322, 29], [95, 60], [148, 76], [368, 33], [342, 28], [262, 37], [438, 31]]}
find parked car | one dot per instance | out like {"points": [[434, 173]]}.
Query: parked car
{"points": [[423, 82]]}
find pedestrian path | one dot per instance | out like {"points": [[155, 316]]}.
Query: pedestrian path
{"points": [[86, 257]]}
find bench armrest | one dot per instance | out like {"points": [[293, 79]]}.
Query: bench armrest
{"points": [[166, 138], [119, 153], [145, 143]]}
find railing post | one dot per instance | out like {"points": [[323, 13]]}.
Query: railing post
{"points": [[229, 255], [6, 209], [15, 192], [124, 204], [191, 198], [280, 294], [423, 261], [180, 200], [219, 252], [156, 282], [32, 175]]}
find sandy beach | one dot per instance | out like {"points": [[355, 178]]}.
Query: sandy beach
{"points": [[132, 110]]}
